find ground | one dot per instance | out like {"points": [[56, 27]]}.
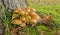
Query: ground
{"points": [[44, 9]]}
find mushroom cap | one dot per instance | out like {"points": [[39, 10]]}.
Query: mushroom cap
{"points": [[33, 21], [33, 10], [16, 10], [26, 13], [19, 11], [14, 16], [17, 21], [23, 24], [34, 15], [22, 18], [28, 9]]}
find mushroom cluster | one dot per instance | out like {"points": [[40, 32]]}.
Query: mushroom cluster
{"points": [[25, 16]]}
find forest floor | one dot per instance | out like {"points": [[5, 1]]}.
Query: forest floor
{"points": [[39, 29]]}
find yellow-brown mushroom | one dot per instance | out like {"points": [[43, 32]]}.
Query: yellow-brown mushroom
{"points": [[23, 24], [27, 9], [33, 20], [17, 21], [28, 16], [22, 18], [14, 16], [35, 16], [33, 10]]}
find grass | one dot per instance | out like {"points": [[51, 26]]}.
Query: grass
{"points": [[46, 10], [6, 21]]}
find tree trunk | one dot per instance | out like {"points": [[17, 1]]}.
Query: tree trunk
{"points": [[9, 6]]}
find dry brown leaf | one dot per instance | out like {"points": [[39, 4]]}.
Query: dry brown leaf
{"points": [[47, 20]]}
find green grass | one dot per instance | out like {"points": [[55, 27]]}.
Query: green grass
{"points": [[46, 10], [6, 21]]}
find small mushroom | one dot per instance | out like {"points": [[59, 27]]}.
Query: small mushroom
{"points": [[23, 24], [22, 18], [14, 16], [17, 21], [35, 16]]}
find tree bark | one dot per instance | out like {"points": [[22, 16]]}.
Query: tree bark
{"points": [[13, 4], [9, 6]]}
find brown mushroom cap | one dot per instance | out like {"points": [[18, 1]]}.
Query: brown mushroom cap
{"points": [[27, 9], [17, 21], [33, 20], [14, 16], [35, 16], [23, 24], [22, 18]]}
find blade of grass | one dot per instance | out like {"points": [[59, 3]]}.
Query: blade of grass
{"points": [[6, 20]]}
